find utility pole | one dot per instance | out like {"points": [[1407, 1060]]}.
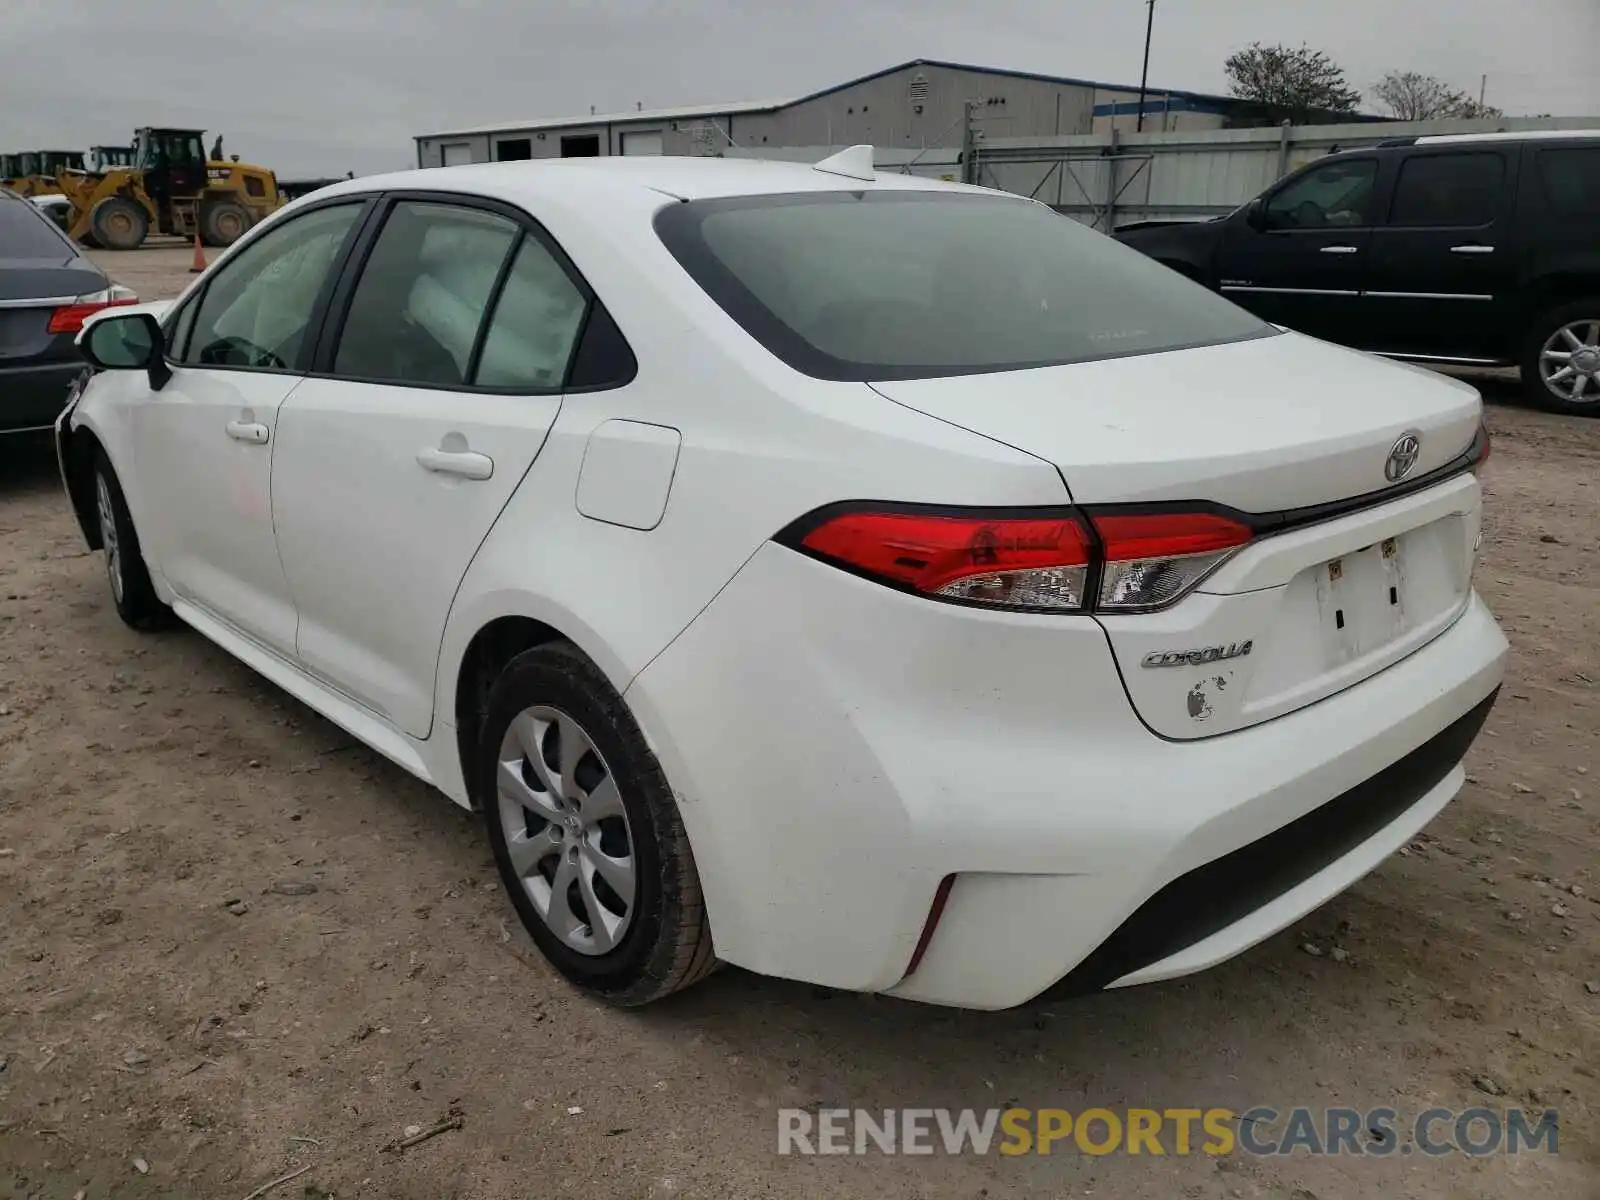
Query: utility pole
{"points": [[1144, 77], [969, 142], [1483, 90]]}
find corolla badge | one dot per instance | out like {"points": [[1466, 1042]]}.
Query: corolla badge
{"points": [[1403, 456], [1198, 657]]}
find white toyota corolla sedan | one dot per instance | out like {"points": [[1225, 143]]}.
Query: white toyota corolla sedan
{"points": [[860, 579]]}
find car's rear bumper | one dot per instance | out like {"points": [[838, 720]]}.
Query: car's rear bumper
{"points": [[840, 749], [31, 397]]}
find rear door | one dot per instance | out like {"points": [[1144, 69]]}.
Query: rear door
{"points": [[1441, 270], [1304, 267], [432, 397]]}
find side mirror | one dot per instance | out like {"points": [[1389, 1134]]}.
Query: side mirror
{"points": [[1255, 215], [126, 342]]}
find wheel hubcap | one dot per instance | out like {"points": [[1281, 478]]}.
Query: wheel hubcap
{"points": [[566, 830], [108, 535], [1570, 362]]}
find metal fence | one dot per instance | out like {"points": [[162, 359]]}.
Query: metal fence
{"points": [[1112, 179]]}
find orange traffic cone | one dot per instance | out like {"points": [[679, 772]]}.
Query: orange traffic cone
{"points": [[199, 263]]}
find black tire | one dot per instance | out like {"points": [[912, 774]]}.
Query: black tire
{"points": [[131, 590], [118, 223], [1546, 326], [667, 944], [223, 222]]}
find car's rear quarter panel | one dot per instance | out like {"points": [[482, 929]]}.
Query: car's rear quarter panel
{"points": [[761, 446]]}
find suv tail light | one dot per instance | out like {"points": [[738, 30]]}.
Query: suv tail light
{"points": [[70, 318], [1028, 560]]}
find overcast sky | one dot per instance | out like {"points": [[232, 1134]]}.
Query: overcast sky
{"points": [[326, 86]]}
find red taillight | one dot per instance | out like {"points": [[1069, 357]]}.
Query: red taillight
{"points": [[70, 318], [1154, 558], [1011, 562], [1141, 560], [1126, 537]]}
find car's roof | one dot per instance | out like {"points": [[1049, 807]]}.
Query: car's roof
{"points": [[677, 178]]}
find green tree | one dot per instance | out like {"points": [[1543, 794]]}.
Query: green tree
{"points": [[1298, 81], [1412, 96]]}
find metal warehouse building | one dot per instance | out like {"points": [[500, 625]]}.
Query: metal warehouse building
{"points": [[918, 104]]}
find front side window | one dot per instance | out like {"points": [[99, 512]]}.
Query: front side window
{"points": [[882, 284], [423, 295], [1337, 195], [1448, 189], [258, 310]]}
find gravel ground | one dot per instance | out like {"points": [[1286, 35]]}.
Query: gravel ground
{"points": [[234, 944]]}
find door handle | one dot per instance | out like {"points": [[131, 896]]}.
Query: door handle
{"points": [[248, 431], [468, 464], [1471, 249], [1341, 250]]}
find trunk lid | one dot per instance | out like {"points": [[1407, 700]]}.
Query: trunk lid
{"points": [[1263, 425], [1266, 426], [30, 292]]}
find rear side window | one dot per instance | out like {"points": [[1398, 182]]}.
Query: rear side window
{"points": [[536, 321], [1571, 181], [880, 284], [423, 295], [1449, 189], [26, 232]]}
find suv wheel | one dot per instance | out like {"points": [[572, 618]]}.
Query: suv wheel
{"points": [[586, 834], [1561, 361]]}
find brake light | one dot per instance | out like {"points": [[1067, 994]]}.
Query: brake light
{"points": [[1061, 561], [1481, 445], [1154, 558], [1027, 562], [70, 318]]}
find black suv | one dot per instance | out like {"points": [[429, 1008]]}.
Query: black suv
{"points": [[1476, 249]]}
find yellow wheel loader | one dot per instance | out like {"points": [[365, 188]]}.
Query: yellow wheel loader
{"points": [[101, 159], [170, 188], [35, 171]]}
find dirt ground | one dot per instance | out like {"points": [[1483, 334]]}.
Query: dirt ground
{"points": [[234, 944]]}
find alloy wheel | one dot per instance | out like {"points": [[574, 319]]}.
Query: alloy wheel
{"points": [[566, 830], [1569, 363], [108, 535]]}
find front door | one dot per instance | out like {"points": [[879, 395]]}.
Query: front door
{"points": [[1440, 276], [396, 457], [1301, 265], [205, 441]]}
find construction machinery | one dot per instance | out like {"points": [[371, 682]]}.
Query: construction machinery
{"points": [[171, 187], [101, 159], [34, 171]]}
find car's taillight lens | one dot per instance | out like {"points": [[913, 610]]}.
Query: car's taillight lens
{"points": [[1481, 445], [1023, 562], [1153, 559], [1133, 561], [70, 318]]}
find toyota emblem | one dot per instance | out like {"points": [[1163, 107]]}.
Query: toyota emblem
{"points": [[1403, 456]]}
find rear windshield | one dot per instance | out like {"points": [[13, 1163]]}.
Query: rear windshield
{"points": [[878, 285], [27, 233]]}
